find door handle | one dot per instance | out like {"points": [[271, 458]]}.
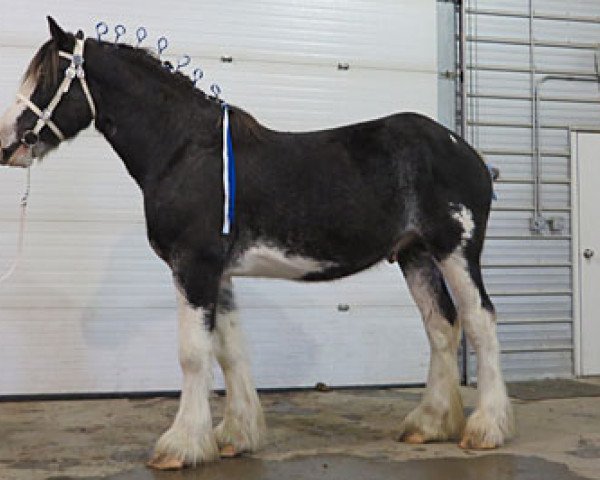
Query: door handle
{"points": [[588, 253]]}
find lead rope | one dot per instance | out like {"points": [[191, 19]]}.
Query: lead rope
{"points": [[20, 241]]}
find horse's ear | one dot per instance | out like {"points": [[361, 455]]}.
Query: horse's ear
{"points": [[57, 33]]}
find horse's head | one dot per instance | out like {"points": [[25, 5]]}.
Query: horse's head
{"points": [[51, 105]]}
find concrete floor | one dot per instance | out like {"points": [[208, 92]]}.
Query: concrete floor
{"points": [[342, 434]]}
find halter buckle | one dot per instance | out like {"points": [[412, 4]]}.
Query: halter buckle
{"points": [[77, 60]]}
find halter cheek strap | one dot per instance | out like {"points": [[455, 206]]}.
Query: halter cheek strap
{"points": [[73, 71]]}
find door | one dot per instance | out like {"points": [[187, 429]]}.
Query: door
{"points": [[587, 249]]}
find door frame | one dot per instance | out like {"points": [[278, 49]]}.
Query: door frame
{"points": [[575, 245]]}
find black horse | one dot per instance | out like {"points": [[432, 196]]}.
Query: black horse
{"points": [[308, 206]]}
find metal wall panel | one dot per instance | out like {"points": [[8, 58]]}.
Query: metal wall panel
{"points": [[91, 308], [316, 32], [529, 274]]}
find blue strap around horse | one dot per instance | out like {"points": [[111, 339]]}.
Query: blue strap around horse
{"points": [[228, 174]]}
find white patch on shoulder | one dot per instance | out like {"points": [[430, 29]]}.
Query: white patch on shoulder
{"points": [[8, 122], [453, 138], [269, 261], [463, 216]]}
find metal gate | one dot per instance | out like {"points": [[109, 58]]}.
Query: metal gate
{"points": [[530, 74]]}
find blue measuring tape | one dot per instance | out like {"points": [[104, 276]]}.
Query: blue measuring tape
{"points": [[228, 174]]}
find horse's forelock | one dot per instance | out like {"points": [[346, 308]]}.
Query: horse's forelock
{"points": [[43, 66]]}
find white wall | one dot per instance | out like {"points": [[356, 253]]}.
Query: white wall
{"points": [[91, 308]]}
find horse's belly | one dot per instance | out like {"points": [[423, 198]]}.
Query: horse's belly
{"points": [[272, 262]]}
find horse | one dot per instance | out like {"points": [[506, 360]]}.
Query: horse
{"points": [[312, 206]]}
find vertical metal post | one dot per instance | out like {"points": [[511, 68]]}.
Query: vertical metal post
{"points": [[462, 79], [462, 74], [537, 222]]}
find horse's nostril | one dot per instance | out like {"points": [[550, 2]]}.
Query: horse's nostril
{"points": [[30, 138]]}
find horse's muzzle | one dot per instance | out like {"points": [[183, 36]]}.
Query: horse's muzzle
{"points": [[17, 155]]}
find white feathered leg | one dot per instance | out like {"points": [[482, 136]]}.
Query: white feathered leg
{"points": [[243, 427], [190, 440], [492, 421], [439, 416]]}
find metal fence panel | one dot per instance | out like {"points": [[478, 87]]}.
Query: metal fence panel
{"points": [[529, 274]]}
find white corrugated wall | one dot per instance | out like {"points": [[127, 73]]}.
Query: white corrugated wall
{"points": [[89, 297], [529, 273], [92, 309]]}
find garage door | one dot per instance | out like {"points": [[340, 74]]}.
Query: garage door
{"points": [[91, 309]]}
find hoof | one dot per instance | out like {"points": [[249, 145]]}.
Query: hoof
{"points": [[414, 438], [228, 451], [470, 443], [235, 436], [163, 461], [488, 430], [434, 421]]}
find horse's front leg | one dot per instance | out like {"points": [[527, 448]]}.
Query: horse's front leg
{"points": [[190, 440], [243, 426]]}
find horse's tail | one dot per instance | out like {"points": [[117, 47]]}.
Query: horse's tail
{"points": [[494, 172]]}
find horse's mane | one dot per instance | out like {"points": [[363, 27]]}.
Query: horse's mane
{"points": [[44, 67], [241, 121], [147, 59]]}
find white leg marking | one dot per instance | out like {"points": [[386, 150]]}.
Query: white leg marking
{"points": [[440, 413], [492, 421], [190, 440], [243, 426]]}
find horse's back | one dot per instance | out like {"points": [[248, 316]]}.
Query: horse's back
{"points": [[345, 198]]}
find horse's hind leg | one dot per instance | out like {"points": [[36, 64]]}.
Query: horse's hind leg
{"points": [[243, 427], [440, 413], [491, 423]]}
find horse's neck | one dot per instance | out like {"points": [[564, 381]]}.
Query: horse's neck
{"points": [[146, 122]]}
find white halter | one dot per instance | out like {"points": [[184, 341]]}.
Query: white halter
{"points": [[75, 70]]}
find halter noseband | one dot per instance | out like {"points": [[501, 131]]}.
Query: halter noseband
{"points": [[75, 70]]}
